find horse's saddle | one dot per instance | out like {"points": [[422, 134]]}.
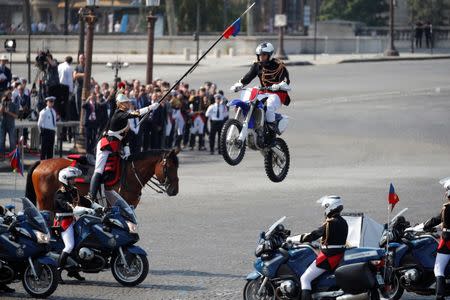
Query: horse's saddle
{"points": [[86, 163]]}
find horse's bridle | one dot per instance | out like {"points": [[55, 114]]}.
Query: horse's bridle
{"points": [[158, 187]]}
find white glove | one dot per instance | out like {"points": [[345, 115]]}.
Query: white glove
{"points": [[126, 152], [95, 206], [236, 87], [296, 239], [153, 106], [275, 87]]}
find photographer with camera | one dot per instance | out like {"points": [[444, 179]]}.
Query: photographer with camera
{"points": [[8, 114], [5, 74]]}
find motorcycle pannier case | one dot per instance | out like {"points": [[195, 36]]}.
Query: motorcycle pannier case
{"points": [[355, 278]]}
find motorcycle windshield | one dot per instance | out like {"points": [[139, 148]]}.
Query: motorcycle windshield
{"points": [[274, 225], [34, 217], [126, 211]]}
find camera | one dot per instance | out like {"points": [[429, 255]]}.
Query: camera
{"points": [[42, 60]]}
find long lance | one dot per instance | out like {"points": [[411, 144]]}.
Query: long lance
{"points": [[192, 68]]}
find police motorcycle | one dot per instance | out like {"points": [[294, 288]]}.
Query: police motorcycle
{"points": [[280, 264], [248, 127], [105, 240], [410, 260], [24, 246]]}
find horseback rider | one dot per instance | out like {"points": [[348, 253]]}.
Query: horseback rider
{"points": [[66, 198], [272, 74], [334, 237], [443, 251], [113, 137]]}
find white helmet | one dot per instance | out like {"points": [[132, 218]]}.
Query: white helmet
{"points": [[265, 48], [331, 203], [121, 98], [68, 173], [446, 184]]}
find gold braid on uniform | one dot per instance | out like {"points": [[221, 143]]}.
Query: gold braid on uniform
{"points": [[327, 232], [266, 74]]}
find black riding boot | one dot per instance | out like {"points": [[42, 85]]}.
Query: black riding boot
{"points": [[95, 185], [6, 289], [272, 131], [61, 264], [306, 295], [440, 288]]}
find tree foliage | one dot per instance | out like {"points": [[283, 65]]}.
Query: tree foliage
{"points": [[367, 11], [430, 10]]}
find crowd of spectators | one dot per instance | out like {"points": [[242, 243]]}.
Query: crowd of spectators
{"points": [[182, 120]]}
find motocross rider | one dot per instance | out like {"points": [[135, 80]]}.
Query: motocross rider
{"points": [[334, 237], [443, 251], [272, 74]]}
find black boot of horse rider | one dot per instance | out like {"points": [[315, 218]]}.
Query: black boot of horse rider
{"points": [[440, 288], [94, 186], [178, 141], [306, 295]]}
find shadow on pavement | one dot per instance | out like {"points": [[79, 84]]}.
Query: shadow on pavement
{"points": [[191, 273], [25, 295], [186, 288]]}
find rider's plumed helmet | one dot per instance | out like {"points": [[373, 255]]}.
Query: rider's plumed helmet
{"points": [[331, 204], [67, 174]]}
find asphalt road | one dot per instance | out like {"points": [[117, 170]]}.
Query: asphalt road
{"points": [[354, 129]]}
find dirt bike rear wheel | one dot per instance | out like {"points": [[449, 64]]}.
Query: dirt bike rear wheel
{"points": [[277, 167]]}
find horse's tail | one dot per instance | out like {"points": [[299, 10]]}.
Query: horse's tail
{"points": [[29, 189]]}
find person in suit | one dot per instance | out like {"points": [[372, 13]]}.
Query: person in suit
{"points": [[91, 108]]}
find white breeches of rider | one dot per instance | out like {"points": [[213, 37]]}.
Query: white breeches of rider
{"points": [[100, 159], [198, 126], [310, 274], [67, 237], [273, 104], [179, 121], [441, 264]]}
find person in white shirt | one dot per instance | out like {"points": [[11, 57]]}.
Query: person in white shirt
{"points": [[47, 128], [216, 113], [65, 72]]}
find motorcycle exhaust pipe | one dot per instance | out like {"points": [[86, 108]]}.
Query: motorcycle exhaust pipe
{"points": [[363, 296]]}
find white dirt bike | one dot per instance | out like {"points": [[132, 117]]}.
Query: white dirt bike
{"points": [[248, 127]]}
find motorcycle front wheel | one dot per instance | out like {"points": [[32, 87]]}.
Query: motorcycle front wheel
{"points": [[134, 273], [44, 284], [394, 291], [252, 287], [277, 167], [232, 148]]}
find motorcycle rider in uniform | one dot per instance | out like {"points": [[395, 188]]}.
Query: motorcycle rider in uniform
{"points": [[443, 251], [66, 198], [113, 137], [334, 237], [3, 287], [272, 74]]}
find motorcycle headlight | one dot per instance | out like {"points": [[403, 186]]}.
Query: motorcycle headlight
{"points": [[133, 228], [42, 238]]}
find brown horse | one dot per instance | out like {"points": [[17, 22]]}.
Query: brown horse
{"points": [[42, 179]]}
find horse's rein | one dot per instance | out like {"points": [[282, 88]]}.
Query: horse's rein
{"points": [[157, 187]]}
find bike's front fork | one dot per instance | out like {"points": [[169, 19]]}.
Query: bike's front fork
{"points": [[244, 132]]}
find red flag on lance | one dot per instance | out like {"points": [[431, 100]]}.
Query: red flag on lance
{"points": [[393, 197], [16, 161]]}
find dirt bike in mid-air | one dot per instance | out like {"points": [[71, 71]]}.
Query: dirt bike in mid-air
{"points": [[248, 128]]}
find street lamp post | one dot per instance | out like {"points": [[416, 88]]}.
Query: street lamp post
{"points": [[81, 13], [390, 49], [281, 23], [116, 66], [151, 20], [90, 18]]}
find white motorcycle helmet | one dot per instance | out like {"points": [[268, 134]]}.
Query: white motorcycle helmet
{"points": [[67, 174], [265, 48], [445, 182], [331, 204]]}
